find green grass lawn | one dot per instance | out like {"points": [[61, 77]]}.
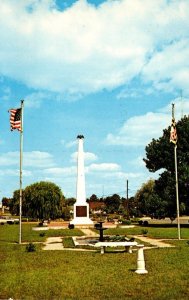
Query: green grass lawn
{"points": [[155, 232], [59, 275]]}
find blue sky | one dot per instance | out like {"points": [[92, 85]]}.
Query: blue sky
{"points": [[106, 69]]}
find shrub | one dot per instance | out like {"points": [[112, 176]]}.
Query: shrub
{"points": [[71, 226], [144, 231], [135, 220], [126, 222], [42, 234], [30, 247]]}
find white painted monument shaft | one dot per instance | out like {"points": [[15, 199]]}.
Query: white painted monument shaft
{"points": [[81, 207], [80, 192]]}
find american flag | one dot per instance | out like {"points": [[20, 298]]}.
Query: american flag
{"points": [[173, 132], [15, 118]]}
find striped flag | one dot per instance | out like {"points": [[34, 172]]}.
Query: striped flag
{"points": [[15, 118], [173, 132]]}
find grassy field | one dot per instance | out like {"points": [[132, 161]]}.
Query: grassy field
{"points": [[152, 231], [57, 275]]}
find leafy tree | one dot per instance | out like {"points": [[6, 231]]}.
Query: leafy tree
{"points": [[148, 202], [43, 200], [112, 203], [133, 207], [160, 156], [6, 201], [14, 203], [70, 201], [93, 198]]}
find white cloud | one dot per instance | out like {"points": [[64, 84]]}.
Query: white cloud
{"points": [[34, 100], [138, 162], [6, 93], [139, 130], [169, 68], [86, 48], [67, 171], [181, 107], [129, 93], [11, 172], [35, 159], [103, 167], [88, 156], [71, 144], [121, 175]]}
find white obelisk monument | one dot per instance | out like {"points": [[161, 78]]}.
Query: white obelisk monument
{"points": [[81, 207]]}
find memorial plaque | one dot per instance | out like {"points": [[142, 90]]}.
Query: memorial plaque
{"points": [[81, 211]]}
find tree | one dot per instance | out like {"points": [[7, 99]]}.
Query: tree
{"points": [[14, 203], [112, 203], [43, 200], [93, 198], [148, 202], [6, 201], [160, 156], [70, 201]]}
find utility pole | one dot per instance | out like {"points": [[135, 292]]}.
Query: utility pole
{"points": [[127, 198]]}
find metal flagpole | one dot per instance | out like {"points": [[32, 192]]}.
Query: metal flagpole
{"points": [[177, 194], [176, 180], [21, 161]]}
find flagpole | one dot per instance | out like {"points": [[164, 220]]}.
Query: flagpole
{"points": [[176, 180], [21, 162], [177, 194]]}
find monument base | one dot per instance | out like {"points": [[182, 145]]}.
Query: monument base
{"points": [[81, 221], [81, 215]]}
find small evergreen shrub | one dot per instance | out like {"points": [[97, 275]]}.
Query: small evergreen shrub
{"points": [[30, 247], [144, 231], [42, 234], [126, 222]]}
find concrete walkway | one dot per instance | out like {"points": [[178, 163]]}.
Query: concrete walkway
{"points": [[56, 243], [157, 243]]}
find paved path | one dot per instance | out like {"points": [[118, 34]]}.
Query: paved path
{"points": [[159, 243], [56, 243]]}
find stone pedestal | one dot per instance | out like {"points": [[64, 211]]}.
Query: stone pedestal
{"points": [[81, 207], [140, 261]]}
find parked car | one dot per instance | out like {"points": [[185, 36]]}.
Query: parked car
{"points": [[7, 220]]}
